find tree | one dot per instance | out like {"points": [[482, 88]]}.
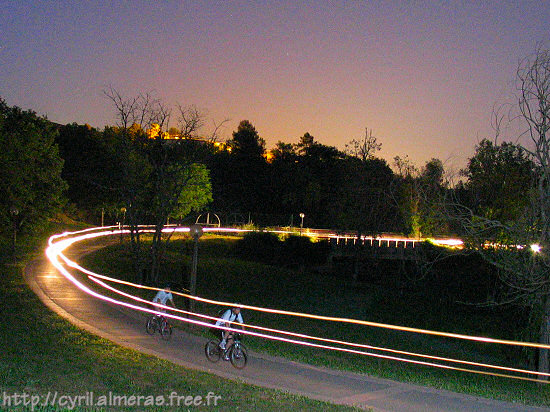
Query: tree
{"points": [[419, 195], [239, 177], [370, 178], [284, 152], [306, 141], [522, 216], [320, 179], [246, 141], [125, 177], [499, 177], [90, 168], [178, 184], [171, 183], [368, 209], [364, 149], [196, 192], [31, 188], [534, 104], [432, 189], [285, 179]]}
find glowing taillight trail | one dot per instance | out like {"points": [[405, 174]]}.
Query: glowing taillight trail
{"points": [[326, 318], [55, 250], [326, 340]]}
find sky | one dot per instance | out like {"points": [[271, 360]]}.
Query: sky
{"points": [[424, 76]]}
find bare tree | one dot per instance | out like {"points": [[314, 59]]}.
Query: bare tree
{"points": [[213, 136], [190, 121], [142, 110], [505, 240], [534, 104], [365, 148]]}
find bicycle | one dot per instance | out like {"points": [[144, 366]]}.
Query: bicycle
{"points": [[237, 353], [159, 323]]}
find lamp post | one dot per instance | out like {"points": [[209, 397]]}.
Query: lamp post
{"points": [[121, 223], [302, 223], [14, 211], [196, 232]]}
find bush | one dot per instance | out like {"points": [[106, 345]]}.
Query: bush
{"points": [[301, 251], [260, 247], [295, 251]]}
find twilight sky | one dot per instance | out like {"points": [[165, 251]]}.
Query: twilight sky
{"points": [[423, 75]]}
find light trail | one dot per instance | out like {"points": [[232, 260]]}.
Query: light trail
{"points": [[304, 336], [55, 250], [320, 346], [338, 319], [373, 324]]}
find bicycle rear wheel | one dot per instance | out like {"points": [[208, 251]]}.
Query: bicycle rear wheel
{"points": [[166, 330], [238, 356], [212, 351]]}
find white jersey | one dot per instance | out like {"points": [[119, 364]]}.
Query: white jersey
{"points": [[162, 297], [229, 317]]}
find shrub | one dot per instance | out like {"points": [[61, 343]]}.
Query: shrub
{"points": [[295, 251], [259, 246]]}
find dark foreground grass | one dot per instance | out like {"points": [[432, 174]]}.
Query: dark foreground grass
{"points": [[222, 277], [42, 353]]}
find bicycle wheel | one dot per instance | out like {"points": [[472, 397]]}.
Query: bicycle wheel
{"points": [[238, 356], [151, 326], [212, 351], [166, 330]]}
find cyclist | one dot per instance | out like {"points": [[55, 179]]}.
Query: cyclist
{"points": [[164, 296], [229, 316]]}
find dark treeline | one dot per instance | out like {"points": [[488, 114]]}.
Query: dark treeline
{"points": [[136, 174], [346, 190]]}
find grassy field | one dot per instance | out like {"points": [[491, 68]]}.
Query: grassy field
{"points": [[223, 277], [42, 353]]}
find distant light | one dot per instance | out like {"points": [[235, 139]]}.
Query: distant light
{"points": [[452, 243], [535, 248]]}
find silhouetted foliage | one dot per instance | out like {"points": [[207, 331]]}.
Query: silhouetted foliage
{"points": [[246, 142], [300, 251], [499, 178], [262, 247], [240, 178], [294, 252], [31, 187]]}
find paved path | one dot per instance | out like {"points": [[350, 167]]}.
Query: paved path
{"points": [[127, 328]]}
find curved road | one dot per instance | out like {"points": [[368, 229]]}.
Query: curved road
{"points": [[126, 328]]}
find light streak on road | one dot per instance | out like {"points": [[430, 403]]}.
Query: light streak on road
{"points": [[321, 346], [325, 318], [343, 320], [304, 336], [55, 251]]}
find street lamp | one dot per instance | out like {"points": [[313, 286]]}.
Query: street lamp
{"points": [[14, 211], [196, 232], [302, 223]]}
